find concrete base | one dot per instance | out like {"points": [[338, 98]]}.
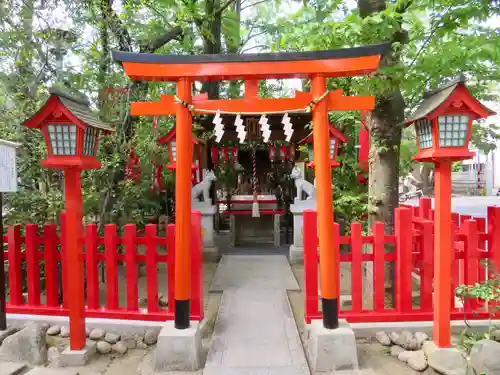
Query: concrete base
{"points": [[210, 254], [178, 349], [74, 358], [332, 350], [296, 254]]}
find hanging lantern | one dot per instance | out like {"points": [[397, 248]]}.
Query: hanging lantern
{"points": [[291, 152], [225, 152], [234, 154], [215, 154], [282, 152], [272, 152]]}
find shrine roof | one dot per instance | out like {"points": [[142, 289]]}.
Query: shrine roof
{"points": [[435, 98]]}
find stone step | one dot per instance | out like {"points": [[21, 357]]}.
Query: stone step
{"points": [[11, 368], [61, 371]]}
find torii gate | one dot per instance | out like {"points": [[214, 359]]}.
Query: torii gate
{"points": [[185, 69]]}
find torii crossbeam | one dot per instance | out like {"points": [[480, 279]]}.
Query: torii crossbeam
{"points": [[317, 66]]}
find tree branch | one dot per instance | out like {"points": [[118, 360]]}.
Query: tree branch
{"points": [[223, 7], [161, 40], [254, 4]]}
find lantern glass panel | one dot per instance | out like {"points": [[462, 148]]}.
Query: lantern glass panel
{"points": [[174, 151], [62, 139], [424, 129], [310, 149], [89, 141], [332, 148], [453, 130]]}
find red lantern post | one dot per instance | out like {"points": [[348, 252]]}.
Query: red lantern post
{"points": [[71, 133], [443, 124]]}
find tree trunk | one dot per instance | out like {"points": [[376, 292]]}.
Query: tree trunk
{"points": [[385, 136], [212, 41], [233, 46]]}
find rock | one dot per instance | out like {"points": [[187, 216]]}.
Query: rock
{"points": [[394, 336], [6, 333], [143, 301], [54, 330], [131, 339], [54, 357], [448, 361], [396, 350], [27, 345], [417, 361], [405, 340], [120, 347], [96, 334], [163, 301], [87, 331], [151, 336], [485, 357], [383, 338], [141, 345], [421, 337], [405, 355], [428, 347], [64, 331], [103, 347], [413, 344], [495, 335], [111, 337]]}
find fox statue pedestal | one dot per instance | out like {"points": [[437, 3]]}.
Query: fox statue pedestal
{"points": [[207, 210], [296, 252], [297, 209]]}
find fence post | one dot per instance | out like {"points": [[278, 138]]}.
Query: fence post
{"points": [[50, 255], [152, 268], [403, 232], [493, 245], [32, 266], [110, 256], [171, 267], [356, 267], [425, 206], [131, 274], [91, 243], [470, 260], [427, 268], [378, 266], [15, 266], [196, 266], [311, 307], [481, 227]]}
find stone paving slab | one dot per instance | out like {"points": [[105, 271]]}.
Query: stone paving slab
{"points": [[61, 371], [255, 332], [11, 368], [254, 271]]}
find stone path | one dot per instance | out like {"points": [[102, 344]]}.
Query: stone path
{"points": [[255, 332]]}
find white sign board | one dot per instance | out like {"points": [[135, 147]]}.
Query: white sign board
{"points": [[8, 172]]}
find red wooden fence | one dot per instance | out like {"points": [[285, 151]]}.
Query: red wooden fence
{"points": [[413, 244], [43, 248]]}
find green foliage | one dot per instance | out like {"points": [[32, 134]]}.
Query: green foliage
{"points": [[487, 291], [485, 137]]}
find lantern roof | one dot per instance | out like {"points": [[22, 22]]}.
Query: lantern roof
{"points": [[74, 105], [333, 131], [446, 95], [170, 136]]}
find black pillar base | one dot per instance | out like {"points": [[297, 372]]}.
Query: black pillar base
{"points": [[330, 313], [181, 314]]}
